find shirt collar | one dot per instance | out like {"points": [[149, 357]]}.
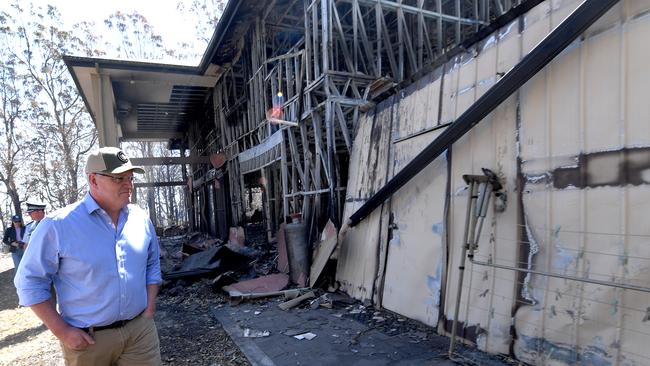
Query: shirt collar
{"points": [[92, 206]]}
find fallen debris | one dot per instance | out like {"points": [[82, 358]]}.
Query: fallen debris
{"points": [[324, 300], [308, 336], [283, 259], [222, 280], [252, 333], [237, 297], [237, 236], [295, 302], [323, 252], [175, 230], [209, 262], [271, 283]]}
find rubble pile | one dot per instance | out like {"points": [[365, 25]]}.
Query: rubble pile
{"points": [[243, 283]]}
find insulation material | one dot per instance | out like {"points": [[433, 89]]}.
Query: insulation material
{"points": [[416, 250], [358, 256]]}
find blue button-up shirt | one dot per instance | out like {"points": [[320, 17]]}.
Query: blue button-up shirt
{"points": [[100, 272]]}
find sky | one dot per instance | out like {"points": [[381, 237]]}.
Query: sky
{"points": [[161, 14]]}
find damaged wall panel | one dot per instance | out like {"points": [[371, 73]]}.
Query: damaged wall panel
{"points": [[581, 129], [572, 148], [488, 293], [359, 253], [416, 251], [416, 248]]}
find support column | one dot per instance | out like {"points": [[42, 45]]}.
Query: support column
{"points": [[106, 123], [189, 200]]}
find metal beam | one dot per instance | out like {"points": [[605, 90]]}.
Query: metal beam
{"points": [[414, 10], [176, 160], [576, 23], [104, 104], [150, 136], [159, 184]]}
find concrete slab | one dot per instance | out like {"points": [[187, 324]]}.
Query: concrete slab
{"points": [[339, 340]]}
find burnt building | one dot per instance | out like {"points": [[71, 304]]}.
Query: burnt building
{"points": [[377, 115]]}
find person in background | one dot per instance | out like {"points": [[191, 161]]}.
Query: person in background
{"points": [[14, 238], [102, 255], [36, 211]]}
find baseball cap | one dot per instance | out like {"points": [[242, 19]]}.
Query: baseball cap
{"points": [[16, 218], [110, 160]]}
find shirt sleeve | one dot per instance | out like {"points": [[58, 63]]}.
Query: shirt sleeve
{"points": [[153, 258], [39, 263]]}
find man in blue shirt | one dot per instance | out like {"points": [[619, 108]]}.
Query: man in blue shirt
{"points": [[102, 256]]}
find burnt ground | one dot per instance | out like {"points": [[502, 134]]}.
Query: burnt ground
{"points": [[189, 334], [188, 331]]}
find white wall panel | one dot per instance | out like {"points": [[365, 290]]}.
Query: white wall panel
{"points": [[487, 292], [573, 150], [636, 49], [449, 92], [576, 123], [416, 251]]}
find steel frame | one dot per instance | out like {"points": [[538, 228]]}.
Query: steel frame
{"points": [[327, 58]]}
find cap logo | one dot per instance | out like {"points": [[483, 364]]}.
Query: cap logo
{"points": [[122, 157]]}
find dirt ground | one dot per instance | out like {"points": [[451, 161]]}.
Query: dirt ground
{"points": [[189, 335]]}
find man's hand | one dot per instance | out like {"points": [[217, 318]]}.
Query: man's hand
{"points": [[149, 311], [71, 337], [75, 338]]}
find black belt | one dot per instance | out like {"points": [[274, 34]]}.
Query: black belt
{"points": [[117, 324]]}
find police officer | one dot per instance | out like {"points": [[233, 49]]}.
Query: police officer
{"points": [[36, 211]]}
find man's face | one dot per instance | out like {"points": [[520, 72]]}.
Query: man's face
{"points": [[37, 215], [111, 191]]}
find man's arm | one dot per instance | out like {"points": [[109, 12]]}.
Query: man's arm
{"points": [[72, 337], [153, 275], [152, 292], [33, 284]]}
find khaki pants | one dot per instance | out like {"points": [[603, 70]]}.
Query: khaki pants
{"points": [[136, 344]]}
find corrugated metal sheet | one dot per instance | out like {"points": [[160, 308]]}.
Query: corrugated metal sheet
{"points": [[573, 150]]}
